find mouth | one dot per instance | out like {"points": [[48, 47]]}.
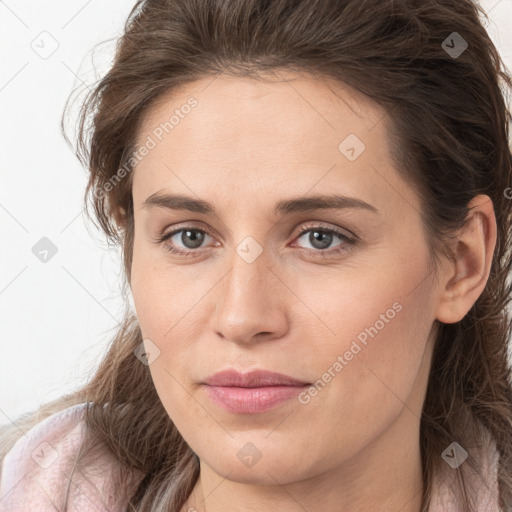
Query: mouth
{"points": [[253, 392]]}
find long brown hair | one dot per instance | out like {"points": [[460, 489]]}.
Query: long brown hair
{"points": [[449, 129]]}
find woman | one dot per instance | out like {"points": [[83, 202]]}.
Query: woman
{"points": [[313, 201]]}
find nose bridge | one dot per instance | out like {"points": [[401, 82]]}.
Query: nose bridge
{"points": [[247, 280], [247, 303], [250, 262]]}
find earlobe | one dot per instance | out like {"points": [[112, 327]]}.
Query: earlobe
{"points": [[466, 276]]}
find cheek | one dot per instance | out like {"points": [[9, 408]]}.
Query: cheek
{"points": [[170, 306], [160, 296], [166, 315], [373, 363]]}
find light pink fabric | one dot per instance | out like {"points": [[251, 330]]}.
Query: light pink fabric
{"points": [[35, 473], [482, 488]]}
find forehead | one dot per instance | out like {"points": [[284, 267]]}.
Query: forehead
{"points": [[257, 136], [294, 99]]}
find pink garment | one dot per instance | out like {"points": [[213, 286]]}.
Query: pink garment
{"points": [[35, 473]]}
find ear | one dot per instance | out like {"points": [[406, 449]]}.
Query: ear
{"points": [[466, 276]]}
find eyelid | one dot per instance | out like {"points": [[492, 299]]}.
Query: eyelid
{"points": [[322, 226], [298, 231]]}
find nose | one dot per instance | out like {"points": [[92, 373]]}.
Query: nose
{"points": [[251, 303]]}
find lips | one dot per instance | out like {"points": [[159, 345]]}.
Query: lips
{"points": [[253, 392], [253, 379]]}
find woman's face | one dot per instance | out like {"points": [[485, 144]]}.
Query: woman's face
{"points": [[262, 287]]}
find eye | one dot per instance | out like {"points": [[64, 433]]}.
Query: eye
{"points": [[190, 237], [321, 240]]}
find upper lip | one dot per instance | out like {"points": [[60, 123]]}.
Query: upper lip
{"points": [[252, 379]]}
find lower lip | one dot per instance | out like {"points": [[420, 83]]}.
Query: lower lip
{"points": [[252, 400]]}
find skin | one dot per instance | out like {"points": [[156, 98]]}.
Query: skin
{"points": [[246, 145]]}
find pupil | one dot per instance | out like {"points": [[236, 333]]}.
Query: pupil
{"points": [[196, 240], [322, 235]]}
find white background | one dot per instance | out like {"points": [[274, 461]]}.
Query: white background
{"points": [[58, 317]]}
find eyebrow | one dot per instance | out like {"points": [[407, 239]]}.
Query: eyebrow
{"points": [[284, 207]]}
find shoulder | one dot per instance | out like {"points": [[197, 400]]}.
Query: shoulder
{"points": [[483, 484], [38, 471]]}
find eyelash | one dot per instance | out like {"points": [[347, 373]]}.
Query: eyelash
{"points": [[349, 241]]}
